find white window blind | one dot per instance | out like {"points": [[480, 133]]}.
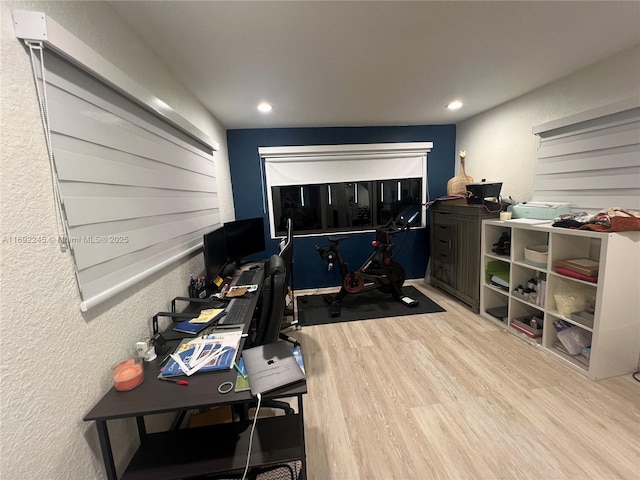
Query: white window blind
{"points": [[137, 192], [591, 160]]}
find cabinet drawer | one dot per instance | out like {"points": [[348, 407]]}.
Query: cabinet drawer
{"points": [[443, 255], [442, 246], [442, 232], [443, 271]]}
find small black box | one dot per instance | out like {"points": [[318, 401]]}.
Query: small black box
{"points": [[478, 192]]}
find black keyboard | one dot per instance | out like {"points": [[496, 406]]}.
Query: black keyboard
{"points": [[248, 277], [237, 312]]}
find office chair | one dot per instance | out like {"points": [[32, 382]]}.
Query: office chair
{"points": [[274, 291]]}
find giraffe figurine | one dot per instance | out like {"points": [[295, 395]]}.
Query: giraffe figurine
{"points": [[458, 184]]}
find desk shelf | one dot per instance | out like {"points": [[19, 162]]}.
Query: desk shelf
{"points": [[211, 449]]}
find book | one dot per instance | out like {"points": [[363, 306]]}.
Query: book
{"points": [[585, 266], [501, 313], [526, 329], [570, 273], [196, 325], [203, 354], [500, 282]]}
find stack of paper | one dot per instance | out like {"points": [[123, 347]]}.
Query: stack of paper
{"points": [[204, 354]]}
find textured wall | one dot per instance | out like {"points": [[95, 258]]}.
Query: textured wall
{"points": [[500, 144], [55, 360]]}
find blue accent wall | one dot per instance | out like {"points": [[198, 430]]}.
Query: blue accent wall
{"points": [[310, 271]]}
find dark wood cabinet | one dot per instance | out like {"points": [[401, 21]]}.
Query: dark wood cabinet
{"points": [[455, 250]]}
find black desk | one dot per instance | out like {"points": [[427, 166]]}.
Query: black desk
{"points": [[178, 454]]}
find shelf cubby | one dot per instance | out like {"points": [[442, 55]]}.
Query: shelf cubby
{"points": [[521, 275], [527, 238], [493, 235], [519, 310], [563, 247], [569, 296], [494, 298]]}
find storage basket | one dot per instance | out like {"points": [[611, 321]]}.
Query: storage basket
{"points": [[570, 302], [536, 255]]}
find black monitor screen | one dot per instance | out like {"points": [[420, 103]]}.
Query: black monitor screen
{"points": [[215, 253], [244, 238]]}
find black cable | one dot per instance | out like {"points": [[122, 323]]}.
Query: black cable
{"points": [[493, 211], [635, 376], [399, 249]]}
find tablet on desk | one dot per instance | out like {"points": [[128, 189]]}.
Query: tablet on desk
{"points": [[271, 366]]}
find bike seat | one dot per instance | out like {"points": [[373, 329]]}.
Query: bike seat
{"points": [[336, 240]]}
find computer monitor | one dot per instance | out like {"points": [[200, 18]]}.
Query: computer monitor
{"points": [[215, 254], [244, 238]]}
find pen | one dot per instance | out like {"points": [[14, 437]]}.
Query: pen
{"points": [[244, 375], [164, 360], [177, 381]]}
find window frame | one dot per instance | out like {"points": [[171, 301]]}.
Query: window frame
{"points": [[296, 165]]}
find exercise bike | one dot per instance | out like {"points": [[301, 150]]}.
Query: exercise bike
{"points": [[379, 271]]}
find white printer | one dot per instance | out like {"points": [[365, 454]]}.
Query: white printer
{"points": [[540, 210]]}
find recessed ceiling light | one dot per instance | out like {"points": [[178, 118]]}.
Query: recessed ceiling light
{"points": [[264, 107], [456, 104]]}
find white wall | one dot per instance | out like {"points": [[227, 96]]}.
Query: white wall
{"points": [[55, 360], [499, 142]]}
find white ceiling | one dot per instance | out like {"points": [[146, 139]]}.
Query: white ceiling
{"points": [[346, 63]]}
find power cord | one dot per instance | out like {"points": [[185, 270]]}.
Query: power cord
{"points": [[255, 418], [635, 376]]}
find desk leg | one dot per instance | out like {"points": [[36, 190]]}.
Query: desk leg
{"points": [[303, 470], [142, 429], [105, 447]]}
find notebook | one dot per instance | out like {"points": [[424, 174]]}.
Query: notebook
{"points": [[271, 366], [205, 319]]}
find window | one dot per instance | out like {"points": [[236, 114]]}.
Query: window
{"points": [[343, 206], [333, 188]]}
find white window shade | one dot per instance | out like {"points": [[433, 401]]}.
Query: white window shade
{"points": [[138, 189], [137, 193], [312, 170], [343, 163], [591, 160]]}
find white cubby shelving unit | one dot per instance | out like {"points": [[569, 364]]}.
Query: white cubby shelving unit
{"points": [[615, 298]]}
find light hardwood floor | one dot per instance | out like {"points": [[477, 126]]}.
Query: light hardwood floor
{"points": [[450, 395]]}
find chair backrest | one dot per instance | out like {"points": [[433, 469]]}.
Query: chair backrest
{"points": [[286, 251], [274, 289]]}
